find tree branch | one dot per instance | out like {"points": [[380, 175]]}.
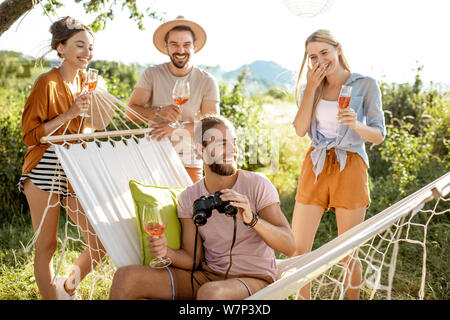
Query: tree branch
{"points": [[11, 10]]}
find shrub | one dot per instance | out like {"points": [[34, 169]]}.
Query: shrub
{"points": [[255, 147], [416, 149], [12, 151]]}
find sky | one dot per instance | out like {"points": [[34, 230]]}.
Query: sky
{"points": [[386, 39]]}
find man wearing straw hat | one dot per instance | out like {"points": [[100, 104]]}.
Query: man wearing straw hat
{"points": [[152, 96]]}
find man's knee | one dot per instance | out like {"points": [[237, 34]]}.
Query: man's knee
{"points": [[209, 291], [123, 283], [214, 290]]}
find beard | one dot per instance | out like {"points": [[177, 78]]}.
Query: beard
{"points": [[179, 64], [224, 170]]}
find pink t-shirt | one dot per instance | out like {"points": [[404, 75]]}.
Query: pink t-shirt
{"points": [[251, 255]]}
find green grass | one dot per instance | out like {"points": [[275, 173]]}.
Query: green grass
{"points": [[17, 280]]}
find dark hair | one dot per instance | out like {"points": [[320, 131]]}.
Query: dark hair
{"points": [[179, 28], [207, 122], [64, 29]]}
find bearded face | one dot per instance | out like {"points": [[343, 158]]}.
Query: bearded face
{"points": [[179, 60], [221, 153], [223, 169], [180, 47]]}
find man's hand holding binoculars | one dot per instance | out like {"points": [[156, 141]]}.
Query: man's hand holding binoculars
{"points": [[240, 202]]}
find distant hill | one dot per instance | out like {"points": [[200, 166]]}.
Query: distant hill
{"points": [[262, 76]]}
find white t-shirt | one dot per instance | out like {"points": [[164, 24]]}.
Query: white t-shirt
{"points": [[159, 81], [326, 113]]}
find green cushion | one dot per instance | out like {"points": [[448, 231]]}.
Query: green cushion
{"points": [[157, 198]]}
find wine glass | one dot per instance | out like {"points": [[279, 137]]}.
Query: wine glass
{"points": [[154, 222], [180, 95], [91, 78], [345, 96]]}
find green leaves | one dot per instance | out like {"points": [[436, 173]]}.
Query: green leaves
{"points": [[106, 9], [416, 149], [256, 148]]}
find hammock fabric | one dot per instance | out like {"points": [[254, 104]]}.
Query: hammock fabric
{"points": [[100, 173]]}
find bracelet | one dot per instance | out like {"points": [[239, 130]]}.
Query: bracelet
{"points": [[254, 221]]}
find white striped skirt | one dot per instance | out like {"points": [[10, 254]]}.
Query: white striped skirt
{"points": [[48, 175]]}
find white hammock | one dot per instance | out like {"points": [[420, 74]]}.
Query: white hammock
{"points": [[100, 173]]}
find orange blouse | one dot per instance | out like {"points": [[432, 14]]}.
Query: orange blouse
{"points": [[49, 97]]}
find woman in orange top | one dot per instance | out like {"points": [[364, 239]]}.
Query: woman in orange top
{"points": [[54, 106]]}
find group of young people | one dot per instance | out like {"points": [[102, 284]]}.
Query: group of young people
{"points": [[333, 175]]}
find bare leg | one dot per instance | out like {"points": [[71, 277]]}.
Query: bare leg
{"points": [[230, 289], [92, 255], [347, 219], [305, 221], [46, 243], [139, 282]]}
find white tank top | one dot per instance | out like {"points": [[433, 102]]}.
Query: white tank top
{"points": [[326, 113]]}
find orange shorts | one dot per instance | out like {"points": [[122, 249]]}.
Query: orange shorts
{"points": [[333, 189]]}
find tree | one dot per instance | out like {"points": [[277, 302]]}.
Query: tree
{"points": [[12, 10]]}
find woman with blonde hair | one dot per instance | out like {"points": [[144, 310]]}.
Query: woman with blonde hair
{"points": [[55, 104], [334, 171]]}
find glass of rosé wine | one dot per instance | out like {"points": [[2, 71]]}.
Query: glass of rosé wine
{"points": [[345, 96], [91, 79], [154, 222], [180, 95], [90, 83]]}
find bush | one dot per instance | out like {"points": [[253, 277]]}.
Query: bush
{"points": [[416, 149], [245, 113], [12, 151]]}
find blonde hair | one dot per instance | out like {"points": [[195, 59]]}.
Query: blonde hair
{"points": [[325, 36]]}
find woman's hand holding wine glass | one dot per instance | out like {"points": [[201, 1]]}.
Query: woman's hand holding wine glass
{"points": [[346, 115], [79, 106]]}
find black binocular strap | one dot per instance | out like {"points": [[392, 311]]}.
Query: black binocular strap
{"points": [[231, 249], [195, 254], [193, 263]]}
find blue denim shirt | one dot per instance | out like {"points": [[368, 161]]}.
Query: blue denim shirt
{"points": [[366, 101]]}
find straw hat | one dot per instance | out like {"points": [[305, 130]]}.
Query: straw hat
{"points": [[161, 31]]}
